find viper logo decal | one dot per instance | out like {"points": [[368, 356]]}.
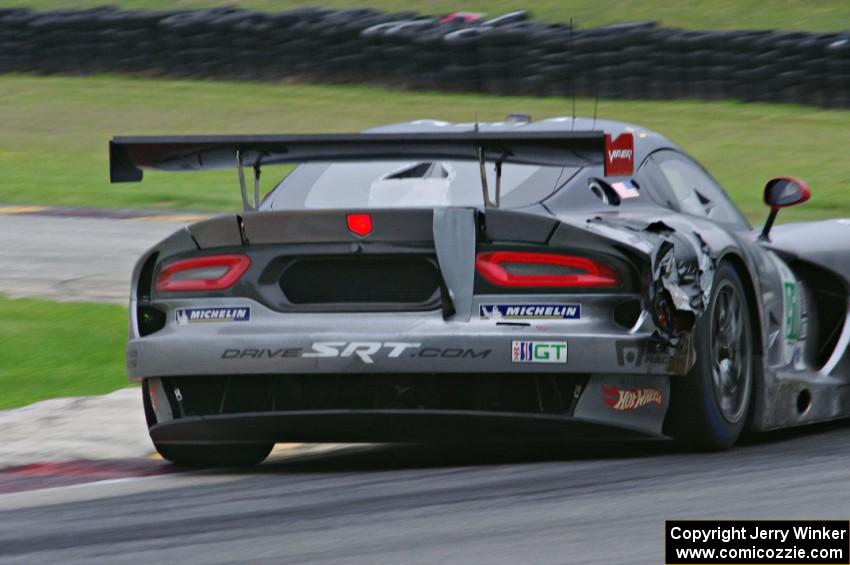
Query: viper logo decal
{"points": [[619, 155]]}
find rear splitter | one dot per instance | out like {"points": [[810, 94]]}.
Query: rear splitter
{"points": [[377, 426]]}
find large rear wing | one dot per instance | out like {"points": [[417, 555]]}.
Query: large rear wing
{"points": [[129, 156]]}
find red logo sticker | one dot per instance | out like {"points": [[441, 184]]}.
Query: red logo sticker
{"points": [[627, 399], [360, 224], [619, 155]]}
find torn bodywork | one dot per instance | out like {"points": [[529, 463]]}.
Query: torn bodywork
{"points": [[679, 270]]}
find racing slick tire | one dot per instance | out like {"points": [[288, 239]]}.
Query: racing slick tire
{"points": [[225, 455], [710, 406]]}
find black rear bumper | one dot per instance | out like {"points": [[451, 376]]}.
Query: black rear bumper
{"points": [[379, 426]]}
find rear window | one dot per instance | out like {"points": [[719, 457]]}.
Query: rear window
{"points": [[425, 184]]}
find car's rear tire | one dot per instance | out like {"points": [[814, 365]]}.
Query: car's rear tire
{"points": [[227, 455], [710, 406]]}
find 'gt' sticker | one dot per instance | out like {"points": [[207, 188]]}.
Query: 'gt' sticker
{"points": [[539, 352]]}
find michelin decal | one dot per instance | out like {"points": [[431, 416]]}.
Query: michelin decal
{"points": [[206, 315], [529, 311]]}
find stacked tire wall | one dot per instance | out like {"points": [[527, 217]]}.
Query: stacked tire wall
{"points": [[509, 55]]}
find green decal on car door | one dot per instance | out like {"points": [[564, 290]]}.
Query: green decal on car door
{"points": [[791, 306]]}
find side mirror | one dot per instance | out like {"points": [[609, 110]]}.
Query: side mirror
{"points": [[781, 192]]}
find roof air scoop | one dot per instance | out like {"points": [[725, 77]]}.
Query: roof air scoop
{"points": [[419, 171], [419, 184]]}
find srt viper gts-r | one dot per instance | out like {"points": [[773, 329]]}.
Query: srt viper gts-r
{"points": [[429, 281]]}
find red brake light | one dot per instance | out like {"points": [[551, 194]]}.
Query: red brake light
{"points": [[360, 224], [216, 272], [524, 269]]}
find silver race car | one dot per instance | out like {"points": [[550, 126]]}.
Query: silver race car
{"points": [[427, 281]]}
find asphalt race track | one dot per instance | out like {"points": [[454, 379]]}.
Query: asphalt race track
{"points": [[571, 503], [568, 504]]}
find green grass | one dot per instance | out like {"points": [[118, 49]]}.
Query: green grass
{"points": [[50, 349], [54, 133], [812, 15]]}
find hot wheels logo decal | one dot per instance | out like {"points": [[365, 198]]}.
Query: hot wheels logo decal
{"points": [[627, 399]]}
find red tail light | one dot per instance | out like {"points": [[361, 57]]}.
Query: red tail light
{"points": [[523, 269], [216, 272]]}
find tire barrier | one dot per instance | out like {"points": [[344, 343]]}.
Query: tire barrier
{"points": [[511, 54]]}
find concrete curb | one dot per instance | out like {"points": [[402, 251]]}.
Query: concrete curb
{"points": [[88, 429], [111, 426]]}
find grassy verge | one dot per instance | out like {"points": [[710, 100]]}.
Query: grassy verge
{"points": [[50, 349], [820, 15], [54, 133]]}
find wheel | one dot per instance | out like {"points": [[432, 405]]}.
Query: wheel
{"points": [[710, 406], [225, 455]]}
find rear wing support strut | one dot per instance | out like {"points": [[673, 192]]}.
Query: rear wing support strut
{"points": [[498, 182], [246, 205], [485, 189]]}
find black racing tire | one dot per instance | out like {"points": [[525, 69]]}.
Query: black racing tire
{"points": [[224, 455], [710, 406]]}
